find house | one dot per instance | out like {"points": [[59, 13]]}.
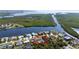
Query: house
{"points": [[45, 38], [67, 37], [36, 39], [19, 42], [13, 37], [47, 35], [60, 34], [6, 25], [26, 40], [40, 33], [28, 46], [51, 34], [2, 26], [20, 36], [39, 39], [29, 36], [47, 32], [33, 34], [4, 38]]}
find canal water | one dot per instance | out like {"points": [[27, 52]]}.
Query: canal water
{"points": [[21, 31]]}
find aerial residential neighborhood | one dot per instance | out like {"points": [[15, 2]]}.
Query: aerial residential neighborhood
{"points": [[32, 40], [38, 31]]}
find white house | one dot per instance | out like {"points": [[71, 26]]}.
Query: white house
{"points": [[19, 42], [34, 34], [46, 32], [20, 36], [51, 34], [4, 39], [67, 37], [13, 37], [26, 40], [60, 34], [29, 36]]}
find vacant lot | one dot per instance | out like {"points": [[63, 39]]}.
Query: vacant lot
{"points": [[30, 20]]}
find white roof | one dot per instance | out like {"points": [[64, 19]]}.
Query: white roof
{"points": [[13, 37], [19, 42], [67, 37], [60, 34], [21, 36], [26, 41], [34, 33], [46, 31], [28, 35]]}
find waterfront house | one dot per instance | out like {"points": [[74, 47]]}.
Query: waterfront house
{"points": [[39, 39], [4, 39], [13, 37], [33, 34], [29, 36], [47, 32], [21, 36], [2, 25], [40, 33], [6, 25]]}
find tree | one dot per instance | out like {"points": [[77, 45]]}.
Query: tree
{"points": [[53, 43], [56, 43]]}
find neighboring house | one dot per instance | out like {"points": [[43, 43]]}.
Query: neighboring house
{"points": [[28, 45], [19, 42], [39, 39], [33, 34], [13, 37], [47, 32], [29, 36], [67, 37], [51, 34], [4, 38], [60, 34], [26, 40], [20, 36]]}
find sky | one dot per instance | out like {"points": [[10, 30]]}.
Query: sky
{"points": [[39, 4]]}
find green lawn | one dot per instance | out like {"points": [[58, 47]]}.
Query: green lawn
{"points": [[69, 21], [30, 20]]}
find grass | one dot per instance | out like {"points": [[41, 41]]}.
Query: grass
{"points": [[69, 21], [30, 20]]}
